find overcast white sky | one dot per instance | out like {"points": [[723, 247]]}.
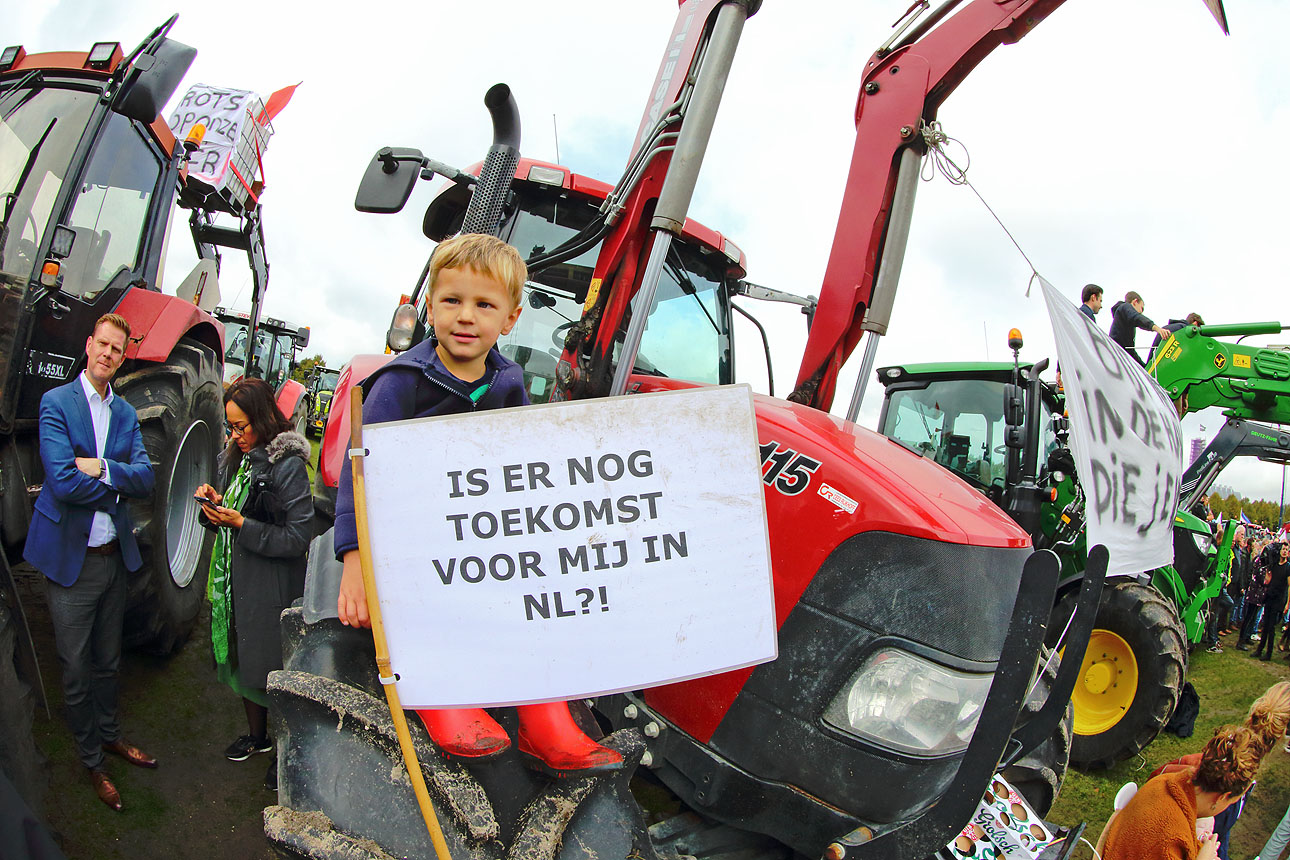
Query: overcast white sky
{"points": [[1124, 142]]}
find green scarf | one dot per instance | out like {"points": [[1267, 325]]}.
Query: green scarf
{"points": [[219, 584]]}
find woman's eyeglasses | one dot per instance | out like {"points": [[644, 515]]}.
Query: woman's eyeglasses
{"points": [[236, 429]]}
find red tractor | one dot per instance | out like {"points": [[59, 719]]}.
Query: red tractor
{"points": [[90, 174], [910, 609]]}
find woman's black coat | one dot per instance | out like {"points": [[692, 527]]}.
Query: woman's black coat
{"points": [[268, 564]]}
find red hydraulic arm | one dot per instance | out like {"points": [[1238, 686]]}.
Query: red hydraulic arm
{"points": [[904, 84], [903, 87]]}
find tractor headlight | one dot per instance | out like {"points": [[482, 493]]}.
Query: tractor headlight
{"points": [[1203, 541], [910, 704], [402, 328]]}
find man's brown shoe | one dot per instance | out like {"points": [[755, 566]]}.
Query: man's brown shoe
{"points": [[130, 753], [104, 788]]}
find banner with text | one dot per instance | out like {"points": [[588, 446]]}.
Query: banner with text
{"points": [[227, 116], [1127, 442], [567, 550]]}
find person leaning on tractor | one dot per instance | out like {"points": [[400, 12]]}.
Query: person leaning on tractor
{"points": [[1160, 820], [475, 284], [82, 539], [1091, 297], [263, 523], [1127, 316]]}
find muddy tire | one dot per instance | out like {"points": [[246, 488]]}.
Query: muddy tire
{"points": [[1131, 676], [20, 761], [180, 412], [1038, 775]]}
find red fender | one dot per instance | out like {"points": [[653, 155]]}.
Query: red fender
{"points": [[289, 397], [158, 321], [335, 441]]}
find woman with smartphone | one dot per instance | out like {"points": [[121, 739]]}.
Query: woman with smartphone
{"points": [[263, 521]]}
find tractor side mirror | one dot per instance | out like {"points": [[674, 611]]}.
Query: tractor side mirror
{"points": [[1014, 416], [152, 80], [387, 182], [302, 337]]}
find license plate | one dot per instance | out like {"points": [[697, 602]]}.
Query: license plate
{"points": [[47, 365]]}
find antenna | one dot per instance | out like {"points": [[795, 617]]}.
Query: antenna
{"points": [[555, 130]]}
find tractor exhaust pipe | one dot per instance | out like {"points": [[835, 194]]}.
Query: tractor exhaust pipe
{"points": [[485, 209]]}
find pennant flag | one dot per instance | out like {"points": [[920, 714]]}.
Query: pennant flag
{"points": [[1220, 14], [1244, 518], [276, 103]]}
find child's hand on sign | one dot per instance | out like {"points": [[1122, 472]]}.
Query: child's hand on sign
{"points": [[351, 604]]}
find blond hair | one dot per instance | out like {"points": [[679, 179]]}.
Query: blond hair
{"points": [[1270, 715], [1229, 761], [484, 255], [116, 320]]}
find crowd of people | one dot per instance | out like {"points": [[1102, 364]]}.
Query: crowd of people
{"points": [[1255, 601]]}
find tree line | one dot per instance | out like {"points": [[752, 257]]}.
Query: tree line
{"points": [[1261, 512]]}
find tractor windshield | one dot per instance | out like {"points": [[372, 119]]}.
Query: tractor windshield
{"points": [[326, 381], [235, 353], [688, 334], [958, 424], [39, 130]]}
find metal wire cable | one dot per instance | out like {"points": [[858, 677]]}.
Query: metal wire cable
{"points": [[939, 161]]}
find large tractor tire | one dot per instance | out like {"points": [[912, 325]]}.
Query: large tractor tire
{"points": [[20, 761], [1039, 773], [1131, 677], [180, 411], [344, 792]]}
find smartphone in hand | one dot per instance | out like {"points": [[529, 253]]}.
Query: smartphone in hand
{"points": [[205, 502]]}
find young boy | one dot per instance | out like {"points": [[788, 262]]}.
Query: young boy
{"points": [[474, 286]]}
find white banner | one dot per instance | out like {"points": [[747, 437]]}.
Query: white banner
{"points": [[567, 550], [1127, 442], [226, 113]]}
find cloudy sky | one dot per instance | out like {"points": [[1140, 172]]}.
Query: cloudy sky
{"points": [[1124, 142]]}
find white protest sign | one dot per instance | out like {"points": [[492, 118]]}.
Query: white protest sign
{"points": [[1127, 442], [226, 113], [567, 550]]}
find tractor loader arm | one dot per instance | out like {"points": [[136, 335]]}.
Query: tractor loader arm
{"points": [[1237, 438], [1199, 371]]}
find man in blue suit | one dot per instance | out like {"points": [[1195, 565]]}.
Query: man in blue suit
{"points": [[81, 538]]}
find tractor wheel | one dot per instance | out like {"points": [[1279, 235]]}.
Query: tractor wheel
{"points": [[20, 761], [1132, 674], [179, 405], [1039, 773]]}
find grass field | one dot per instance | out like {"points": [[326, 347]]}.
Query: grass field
{"points": [[1227, 683]]}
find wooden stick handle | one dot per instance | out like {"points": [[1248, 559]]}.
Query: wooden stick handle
{"points": [[388, 678]]}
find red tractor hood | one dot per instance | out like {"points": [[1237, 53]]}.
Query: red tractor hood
{"points": [[894, 488]]}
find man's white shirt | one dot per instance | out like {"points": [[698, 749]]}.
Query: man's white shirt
{"points": [[101, 530]]}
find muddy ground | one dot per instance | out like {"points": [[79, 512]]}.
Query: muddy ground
{"points": [[196, 804]]}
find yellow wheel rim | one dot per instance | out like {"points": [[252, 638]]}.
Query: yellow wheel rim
{"points": [[1107, 683]]}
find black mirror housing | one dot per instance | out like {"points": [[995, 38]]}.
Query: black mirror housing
{"points": [[387, 183], [152, 80]]}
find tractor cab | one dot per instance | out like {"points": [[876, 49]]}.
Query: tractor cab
{"points": [[955, 413], [688, 335], [87, 180], [276, 346]]}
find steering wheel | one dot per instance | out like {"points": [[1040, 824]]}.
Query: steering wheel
{"points": [[24, 248], [560, 332]]}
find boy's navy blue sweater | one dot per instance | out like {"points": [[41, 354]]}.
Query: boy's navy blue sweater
{"points": [[416, 385]]}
